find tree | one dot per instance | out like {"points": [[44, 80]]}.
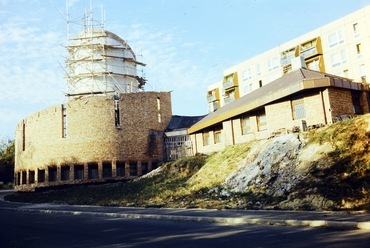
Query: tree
{"points": [[7, 154]]}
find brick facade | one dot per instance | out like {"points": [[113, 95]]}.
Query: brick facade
{"points": [[321, 105], [98, 139]]}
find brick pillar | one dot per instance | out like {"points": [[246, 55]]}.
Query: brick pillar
{"points": [[86, 171], [100, 169], [139, 169], [59, 174], [114, 168], [127, 169], [150, 166]]}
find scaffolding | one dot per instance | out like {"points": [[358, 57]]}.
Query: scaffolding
{"points": [[100, 62]]}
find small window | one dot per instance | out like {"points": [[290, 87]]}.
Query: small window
{"points": [[258, 69], [120, 168], [356, 30], [206, 139], [247, 74], [273, 64], [117, 118], [261, 122], [24, 136], [158, 103], [107, 169], [78, 172], [362, 70], [64, 121], [65, 172], [336, 38], [31, 177], [93, 171], [52, 173], [298, 108], [359, 50], [40, 176], [339, 58], [246, 125], [217, 136]]}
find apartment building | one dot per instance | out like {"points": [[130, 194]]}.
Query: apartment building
{"points": [[340, 48]]}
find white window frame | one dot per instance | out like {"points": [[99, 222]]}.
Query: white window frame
{"points": [[336, 38], [338, 58]]}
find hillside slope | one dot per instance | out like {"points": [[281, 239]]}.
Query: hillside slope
{"points": [[324, 169]]}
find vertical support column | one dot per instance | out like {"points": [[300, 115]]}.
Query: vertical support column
{"points": [[139, 169], [100, 169], [59, 174], [86, 171], [150, 166], [36, 176], [114, 168], [71, 172], [46, 174], [27, 177], [127, 169]]}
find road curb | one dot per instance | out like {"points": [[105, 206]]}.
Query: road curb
{"points": [[221, 220]]}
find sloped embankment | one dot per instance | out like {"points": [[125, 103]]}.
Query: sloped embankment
{"points": [[324, 169], [328, 168]]}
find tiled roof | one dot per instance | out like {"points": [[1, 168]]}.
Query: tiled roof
{"points": [[284, 86], [182, 122]]}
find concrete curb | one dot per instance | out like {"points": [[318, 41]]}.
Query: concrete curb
{"points": [[221, 220]]}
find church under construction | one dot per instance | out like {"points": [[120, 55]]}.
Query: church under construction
{"points": [[108, 129]]}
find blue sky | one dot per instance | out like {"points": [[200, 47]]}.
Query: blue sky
{"points": [[186, 44]]}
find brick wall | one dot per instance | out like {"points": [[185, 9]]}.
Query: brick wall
{"points": [[92, 135]]}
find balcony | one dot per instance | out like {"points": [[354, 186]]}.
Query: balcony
{"points": [[213, 95], [229, 99], [287, 56], [230, 81], [311, 48]]}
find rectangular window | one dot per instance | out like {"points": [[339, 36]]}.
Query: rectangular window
{"points": [[52, 173], [273, 64], [258, 69], [107, 169], [313, 65], [31, 177], [64, 121], [336, 38], [248, 88], [24, 136], [93, 171], [159, 110], [217, 136], [356, 30], [362, 70], [247, 74], [261, 122], [40, 176], [158, 103], [78, 172], [299, 111], [339, 58], [117, 120], [64, 172], [206, 139], [120, 168], [359, 50], [246, 125]]}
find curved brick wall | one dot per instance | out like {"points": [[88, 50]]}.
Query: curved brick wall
{"points": [[88, 144]]}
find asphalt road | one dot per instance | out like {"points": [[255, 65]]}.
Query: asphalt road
{"points": [[39, 229]]}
